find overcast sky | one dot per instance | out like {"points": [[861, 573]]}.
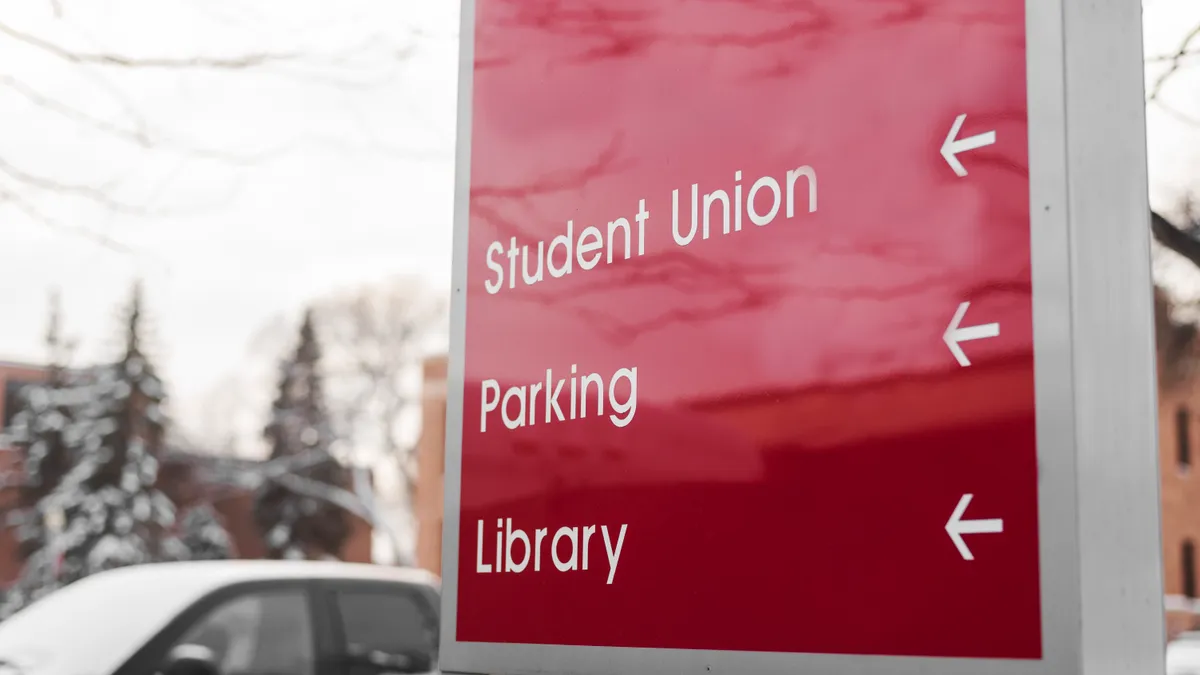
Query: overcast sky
{"points": [[364, 190], [1174, 144]]}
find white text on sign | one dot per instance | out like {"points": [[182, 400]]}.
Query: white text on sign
{"points": [[562, 399], [515, 550], [719, 212], [715, 211], [734, 214]]}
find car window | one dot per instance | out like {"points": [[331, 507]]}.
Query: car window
{"points": [[387, 632], [262, 633]]}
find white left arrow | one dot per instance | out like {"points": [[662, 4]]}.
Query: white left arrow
{"points": [[955, 335], [956, 527], [953, 145]]}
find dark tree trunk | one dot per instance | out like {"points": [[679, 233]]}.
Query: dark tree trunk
{"points": [[1175, 238]]}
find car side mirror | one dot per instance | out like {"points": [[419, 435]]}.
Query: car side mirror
{"points": [[191, 660]]}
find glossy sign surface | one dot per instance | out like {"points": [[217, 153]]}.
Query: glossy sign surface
{"points": [[749, 356]]}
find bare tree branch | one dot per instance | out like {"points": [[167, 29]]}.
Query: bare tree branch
{"points": [[136, 136], [1176, 60], [100, 195], [1176, 113], [373, 337], [1171, 58], [1177, 239], [240, 62], [36, 215], [363, 65], [141, 137]]}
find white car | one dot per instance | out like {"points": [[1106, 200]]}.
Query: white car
{"points": [[1183, 655], [230, 618]]}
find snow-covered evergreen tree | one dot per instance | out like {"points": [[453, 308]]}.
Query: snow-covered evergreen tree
{"points": [[112, 511], [106, 510], [38, 578], [203, 536], [43, 432], [298, 525]]}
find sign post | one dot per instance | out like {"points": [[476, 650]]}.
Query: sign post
{"points": [[801, 337]]}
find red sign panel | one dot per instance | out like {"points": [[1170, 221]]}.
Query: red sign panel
{"points": [[749, 357]]}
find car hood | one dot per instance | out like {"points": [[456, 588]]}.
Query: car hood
{"points": [[31, 661], [86, 628]]}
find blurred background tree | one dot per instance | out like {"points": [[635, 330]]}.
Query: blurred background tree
{"points": [[294, 525], [105, 509]]}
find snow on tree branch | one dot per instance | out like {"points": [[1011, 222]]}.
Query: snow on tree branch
{"points": [[203, 536]]}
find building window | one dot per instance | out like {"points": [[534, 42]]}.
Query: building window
{"points": [[1183, 437], [1189, 569]]}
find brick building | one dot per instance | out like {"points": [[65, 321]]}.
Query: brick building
{"points": [[431, 465], [1178, 422], [8, 501], [13, 377], [764, 418], [186, 477]]}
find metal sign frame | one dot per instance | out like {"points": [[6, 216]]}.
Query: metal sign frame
{"points": [[1100, 550]]}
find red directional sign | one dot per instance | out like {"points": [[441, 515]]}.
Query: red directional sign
{"points": [[748, 334]]}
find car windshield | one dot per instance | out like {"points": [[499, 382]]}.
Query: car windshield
{"points": [[67, 630]]}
